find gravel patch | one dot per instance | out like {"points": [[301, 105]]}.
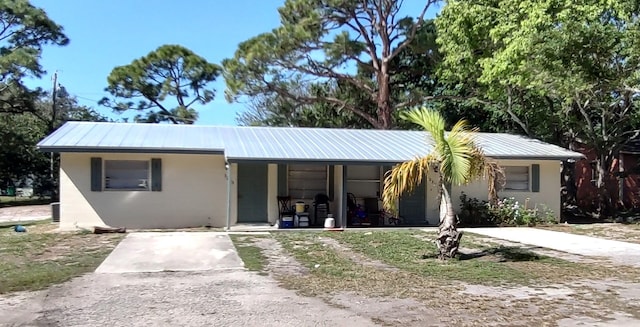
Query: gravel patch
{"points": [[221, 298]]}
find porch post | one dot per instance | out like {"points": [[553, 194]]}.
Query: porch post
{"points": [[227, 167], [343, 218]]}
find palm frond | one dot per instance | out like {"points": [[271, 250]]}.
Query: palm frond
{"points": [[404, 178]]}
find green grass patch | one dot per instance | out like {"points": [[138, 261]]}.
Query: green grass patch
{"points": [[414, 252], [40, 257], [250, 254], [11, 201]]}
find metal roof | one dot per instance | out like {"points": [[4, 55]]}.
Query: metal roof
{"points": [[130, 137], [282, 144]]}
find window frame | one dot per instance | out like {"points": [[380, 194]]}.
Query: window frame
{"points": [[506, 179], [149, 181]]}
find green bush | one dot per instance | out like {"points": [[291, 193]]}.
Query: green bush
{"points": [[506, 212]]}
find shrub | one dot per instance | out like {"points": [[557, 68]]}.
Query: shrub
{"points": [[507, 212]]}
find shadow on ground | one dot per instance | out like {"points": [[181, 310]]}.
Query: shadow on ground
{"points": [[504, 253]]}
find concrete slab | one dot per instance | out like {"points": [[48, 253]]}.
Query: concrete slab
{"points": [[172, 251], [618, 252]]}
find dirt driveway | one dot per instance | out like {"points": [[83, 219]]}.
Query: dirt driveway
{"points": [[206, 292], [24, 213]]}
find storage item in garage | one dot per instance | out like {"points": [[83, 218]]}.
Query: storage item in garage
{"points": [[300, 207], [287, 222], [303, 219], [329, 223]]}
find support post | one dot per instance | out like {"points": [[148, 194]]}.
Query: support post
{"points": [[343, 218], [227, 167]]}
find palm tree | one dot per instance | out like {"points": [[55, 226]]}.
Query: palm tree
{"points": [[457, 159]]}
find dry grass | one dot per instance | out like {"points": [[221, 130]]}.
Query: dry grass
{"points": [[518, 288], [42, 257]]}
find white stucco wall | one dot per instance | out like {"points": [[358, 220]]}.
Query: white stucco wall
{"points": [[549, 194], [194, 193]]}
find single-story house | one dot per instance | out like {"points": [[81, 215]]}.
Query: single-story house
{"points": [[171, 176]]}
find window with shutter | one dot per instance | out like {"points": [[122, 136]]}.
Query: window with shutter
{"points": [[516, 178]]}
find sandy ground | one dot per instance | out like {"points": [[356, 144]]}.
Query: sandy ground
{"points": [[24, 213], [219, 298], [236, 297]]}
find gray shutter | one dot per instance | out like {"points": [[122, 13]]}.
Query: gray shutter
{"points": [[96, 174], [331, 182], [535, 178], [282, 180], [156, 175]]}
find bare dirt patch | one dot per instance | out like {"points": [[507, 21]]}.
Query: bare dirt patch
{"points": [[24, 213], [357, 258]]}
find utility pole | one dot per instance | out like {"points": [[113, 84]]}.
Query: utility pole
{"points": [[53, 119]]}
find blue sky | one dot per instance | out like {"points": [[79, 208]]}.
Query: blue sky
{"points": [[106, 34]]}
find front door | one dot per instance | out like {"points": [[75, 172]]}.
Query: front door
{"points": [[412, 207], [252, 193]]}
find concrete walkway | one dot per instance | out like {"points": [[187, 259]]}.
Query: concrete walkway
{"points": [[172, 251], [616, 251]]}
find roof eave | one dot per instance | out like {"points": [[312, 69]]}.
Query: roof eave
{"points": [[76, 149]]}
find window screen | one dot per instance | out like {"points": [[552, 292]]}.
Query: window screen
{"points": [[517, 178], [305, 181], [126, 175]]}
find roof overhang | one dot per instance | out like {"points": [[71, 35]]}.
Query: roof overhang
{"points": [[77, 149]]}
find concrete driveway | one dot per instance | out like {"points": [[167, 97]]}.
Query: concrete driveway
{"points": [[616, 251], [172, 279], [172, 251]]}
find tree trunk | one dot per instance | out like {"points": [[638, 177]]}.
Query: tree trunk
{"points": [[384, 98], [448, 239], [604, 209]]}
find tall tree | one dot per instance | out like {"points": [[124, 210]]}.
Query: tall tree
{"points": [[580, 58], [25, 29], [329, 40], [456, 158], [171, 71]]}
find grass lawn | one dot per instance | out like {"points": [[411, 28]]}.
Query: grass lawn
{"points": [[41, 257], [11, 201], [252, 255], [394, 278]]}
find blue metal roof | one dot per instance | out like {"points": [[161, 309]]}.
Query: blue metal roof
{"points": [[281, 144]]}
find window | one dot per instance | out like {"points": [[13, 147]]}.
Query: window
{"points": [[305, 181], [516, 178], [126, 175]]}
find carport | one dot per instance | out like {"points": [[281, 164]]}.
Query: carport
{"points": [[299, 163]]}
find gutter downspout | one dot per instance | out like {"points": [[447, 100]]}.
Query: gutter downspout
{"points": [[227, 167]]}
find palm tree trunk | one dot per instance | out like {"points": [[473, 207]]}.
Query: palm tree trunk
{"points": [[449, 237]]}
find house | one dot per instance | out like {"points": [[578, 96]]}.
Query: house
{"points": [[170, 176], [624, 192]]}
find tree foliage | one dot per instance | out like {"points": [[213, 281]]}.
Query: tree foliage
{"points": [[457, 159], [20, 160], [24, 30], [340, 42], [167, 82], [579, 61]]}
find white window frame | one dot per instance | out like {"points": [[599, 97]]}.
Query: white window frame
{"points": [[142, 181], [506, 177]]}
